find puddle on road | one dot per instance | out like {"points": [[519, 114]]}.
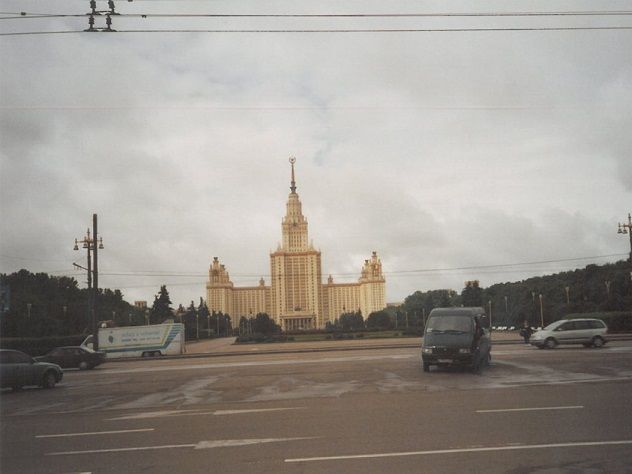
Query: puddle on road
{"points": [[191, 393], [290, 388]]}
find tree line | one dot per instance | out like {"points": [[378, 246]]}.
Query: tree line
{"points": [[37, 305]]}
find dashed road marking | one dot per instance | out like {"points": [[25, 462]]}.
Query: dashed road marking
{"points": [[220, 443], [463, 450], [504, 410], [93, 433], [171, 413]]}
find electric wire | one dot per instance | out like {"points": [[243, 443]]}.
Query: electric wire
{"points": [[26, 15], [333, 31], [157, 273]]}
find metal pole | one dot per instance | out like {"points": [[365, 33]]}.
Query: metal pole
{"points": [[197, 326], [490, 312], [88, 244], [96, 283], [630, 232], [541, 312], [217, 320]]}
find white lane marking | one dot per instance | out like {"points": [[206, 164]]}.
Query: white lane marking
{"points": [[157, 414], [171, 413], [254, 410], [502, 410], [257, 363], [119, 450], [93, 433], [464, 450], [220, 443], [243, 442]]}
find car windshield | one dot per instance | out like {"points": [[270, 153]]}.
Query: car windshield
{"points": [[552, 325], [449, 324]]}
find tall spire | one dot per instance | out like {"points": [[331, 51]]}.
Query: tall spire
{"points": [[293, 183]]}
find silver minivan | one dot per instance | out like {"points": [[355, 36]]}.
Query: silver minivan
{"points": [[589, 332]]}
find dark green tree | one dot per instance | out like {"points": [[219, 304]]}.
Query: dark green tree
{"points": [[190, 321], [379, 320], [472, 294], [264, 324], [204, 315], [351, 321], [161, 309]]}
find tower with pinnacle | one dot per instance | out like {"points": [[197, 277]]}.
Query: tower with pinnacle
{"points": [[296, 298]]}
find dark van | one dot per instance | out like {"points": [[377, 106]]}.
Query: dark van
{"points": [[456, 337]]}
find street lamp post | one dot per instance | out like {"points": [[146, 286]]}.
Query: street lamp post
{"points": [[489, 303], [541, 312], [197, 325], [92, 245], [568, 297], [627, 229]]}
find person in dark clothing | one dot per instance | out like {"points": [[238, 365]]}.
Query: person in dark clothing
{"points": [[526, 331]]}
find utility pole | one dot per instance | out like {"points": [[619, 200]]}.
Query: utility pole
{"points": [[95, 269], [627, 229], [91, 244]]}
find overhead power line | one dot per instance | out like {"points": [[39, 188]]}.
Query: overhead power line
{"points": [[157, 273], [366, 30], [26, 15]]}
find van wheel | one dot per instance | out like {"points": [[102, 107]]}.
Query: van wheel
{"points": [[597, 342], [550, 343]]}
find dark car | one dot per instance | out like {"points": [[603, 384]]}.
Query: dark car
{"points": [[456, 337], [18, 369], [73, 357]]}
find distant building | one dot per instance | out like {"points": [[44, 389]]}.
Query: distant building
{"points": [[140, 304], [296, 297]]}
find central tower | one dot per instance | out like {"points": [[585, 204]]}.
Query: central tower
{"points": [[296, 271]]}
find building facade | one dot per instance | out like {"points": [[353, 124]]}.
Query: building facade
{"points": [[296, 297]]}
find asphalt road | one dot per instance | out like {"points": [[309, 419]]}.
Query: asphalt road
{"points": [[533, 411]]}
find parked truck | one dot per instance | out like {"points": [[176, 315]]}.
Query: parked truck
{"points": [[140, 341]]}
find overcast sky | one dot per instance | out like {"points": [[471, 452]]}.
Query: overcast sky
{"points": [[438, 150]]}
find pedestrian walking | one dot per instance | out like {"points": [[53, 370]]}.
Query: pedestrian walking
{"points": [[526, 331]]}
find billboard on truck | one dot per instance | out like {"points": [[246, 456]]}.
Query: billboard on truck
{"points": [[142, 341]]}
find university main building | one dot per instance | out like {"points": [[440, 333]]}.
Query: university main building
{"points": [[297, 298]]}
